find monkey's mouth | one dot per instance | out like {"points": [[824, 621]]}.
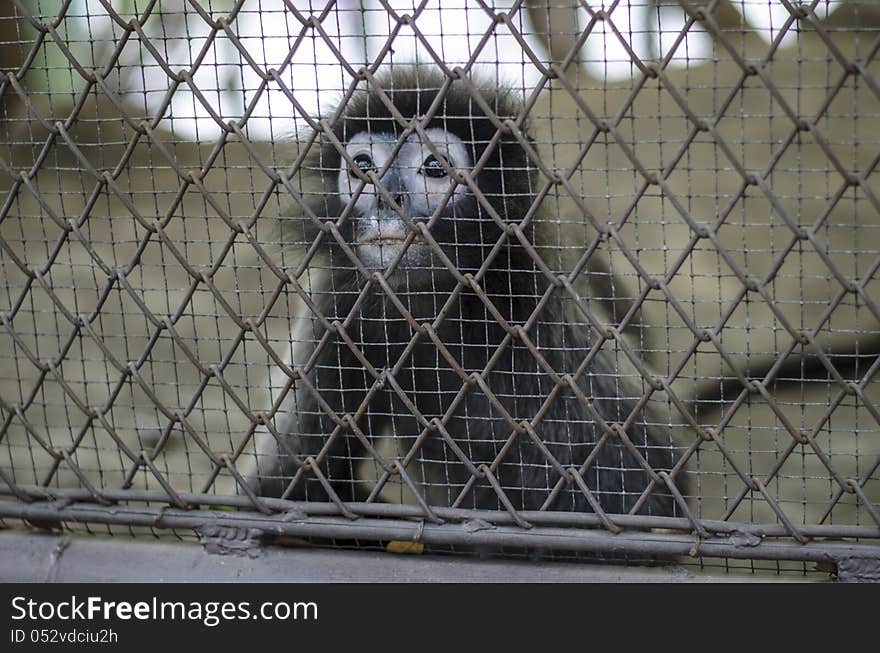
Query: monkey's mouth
{"points": [[379, 239], [379, 249]]}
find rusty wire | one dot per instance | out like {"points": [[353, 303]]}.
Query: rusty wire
{"points": [[84, 496]]}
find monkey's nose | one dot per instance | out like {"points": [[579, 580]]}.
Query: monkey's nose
{"points": [[393, 187], [397, 196]]}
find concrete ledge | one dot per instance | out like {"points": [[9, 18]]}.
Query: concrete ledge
{"points": [[41, 557]]}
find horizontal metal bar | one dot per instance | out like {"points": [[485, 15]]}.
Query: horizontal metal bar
{"points": [[495, 517], [375, 529], [34, 556]]}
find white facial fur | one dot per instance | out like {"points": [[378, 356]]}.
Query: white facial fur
{"points": [[380, 230]]}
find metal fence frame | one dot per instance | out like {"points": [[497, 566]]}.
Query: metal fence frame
{"points": [[614, 534]]}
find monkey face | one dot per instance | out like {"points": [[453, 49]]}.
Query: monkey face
{"points": [[419, 183]]}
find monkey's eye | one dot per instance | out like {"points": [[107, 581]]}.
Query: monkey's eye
{"points": [[364, 163], [433, 168]]}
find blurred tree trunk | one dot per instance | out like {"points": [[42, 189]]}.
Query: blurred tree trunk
{"points": [[863, 14], [556, 24], [728, 17], [9, 49], [11, 54], [354, 27]]}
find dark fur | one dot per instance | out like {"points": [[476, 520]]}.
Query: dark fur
{"points": [[472, 336]]}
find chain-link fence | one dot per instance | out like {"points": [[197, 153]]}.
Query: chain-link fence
{"points": [[589, 278]]}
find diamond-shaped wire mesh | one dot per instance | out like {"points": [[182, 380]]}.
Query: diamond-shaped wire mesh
{"points": [[683, 212]]}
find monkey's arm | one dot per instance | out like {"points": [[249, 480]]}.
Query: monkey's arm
{"points": [[580, 428]]}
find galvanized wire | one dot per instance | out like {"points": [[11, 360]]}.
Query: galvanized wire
{"points": [[205, 411]]}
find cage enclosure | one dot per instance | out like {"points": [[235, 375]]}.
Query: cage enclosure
{"points": [[553, 281]]}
